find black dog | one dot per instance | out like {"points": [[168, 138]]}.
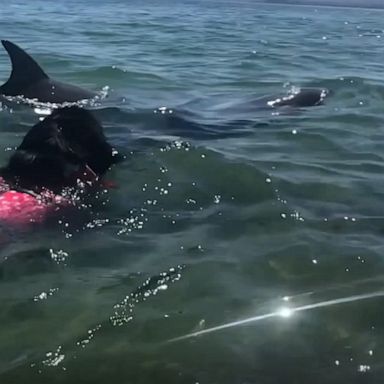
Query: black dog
{"points": [[57, 150], [66, 147]]}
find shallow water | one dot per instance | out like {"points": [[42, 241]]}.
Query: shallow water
{"points": [[223, 211]]}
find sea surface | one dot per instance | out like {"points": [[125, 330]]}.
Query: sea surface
{"points": [[223, 211]]}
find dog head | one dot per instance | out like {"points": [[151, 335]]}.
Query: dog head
{"points": [[66, 146]]}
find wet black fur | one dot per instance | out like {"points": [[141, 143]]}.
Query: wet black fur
{"points": [[58, 148]]}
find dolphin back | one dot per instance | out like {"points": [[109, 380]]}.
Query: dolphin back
{"points": [[25, 71]]}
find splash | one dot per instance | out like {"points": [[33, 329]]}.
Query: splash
{"points": [[284, 312], [46, 108], [124, 311]]}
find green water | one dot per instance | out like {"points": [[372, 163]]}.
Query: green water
{"points": [[222, 208]]}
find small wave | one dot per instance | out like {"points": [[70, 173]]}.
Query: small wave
{"points": [[45, 108]]}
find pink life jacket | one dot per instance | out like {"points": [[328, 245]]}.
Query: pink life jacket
{"points": [[21, 208]]}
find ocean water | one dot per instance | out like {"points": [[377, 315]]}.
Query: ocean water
{"points": [[223, 210]]}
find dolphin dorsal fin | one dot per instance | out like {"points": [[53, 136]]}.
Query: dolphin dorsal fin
{"points": [[25, 70]]}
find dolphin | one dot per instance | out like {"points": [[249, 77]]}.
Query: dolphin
{"points": [[302, 97], [29, 80], [246, 106]]}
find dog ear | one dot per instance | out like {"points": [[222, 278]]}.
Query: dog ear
{"points": [[46, 139], [84, 135], [78, 124], [30, 170]]}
